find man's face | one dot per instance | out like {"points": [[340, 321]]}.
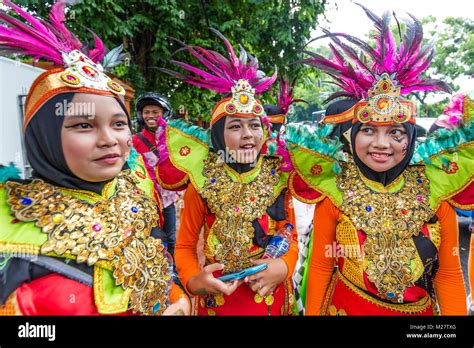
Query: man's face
{"points": [[150, 114]]}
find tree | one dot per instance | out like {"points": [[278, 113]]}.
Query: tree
{"points": [[273, 30]]}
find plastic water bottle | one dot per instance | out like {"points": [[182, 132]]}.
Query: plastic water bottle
{"points": [[280, 243], [169, 259]]}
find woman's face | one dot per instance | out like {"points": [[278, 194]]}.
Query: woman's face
{"points": [[243, 138], [381, 147], [95, 137]]}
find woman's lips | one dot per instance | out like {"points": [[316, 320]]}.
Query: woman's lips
{"points": [[247, 147], [379, 157], [109, 159]]}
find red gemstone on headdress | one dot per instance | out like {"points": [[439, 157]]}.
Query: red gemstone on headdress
{"points": [[365, 114], [89, 71], [70, 77], [257, 108], [400, 116], [231, 107]]}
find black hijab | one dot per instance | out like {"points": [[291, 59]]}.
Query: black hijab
{"points": [[276, 211], [339, 129], [44, 148], [390, 175]]}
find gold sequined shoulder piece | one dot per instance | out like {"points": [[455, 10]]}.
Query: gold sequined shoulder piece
{"points": [[390, 220], [115, 229]]}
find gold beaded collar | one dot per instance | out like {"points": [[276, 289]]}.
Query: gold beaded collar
{"points": [[390, 220], [235, 205], [116, 229]]}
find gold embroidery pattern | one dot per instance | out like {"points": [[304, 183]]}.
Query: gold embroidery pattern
{"points": [[115, 229], [390, 220], [435, 233], [346, 236], [235, 206], [142, 268]]}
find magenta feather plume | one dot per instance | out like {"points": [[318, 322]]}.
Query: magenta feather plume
{"points": [[355, 64], [286, 92], [40, 38], [221, 72]]}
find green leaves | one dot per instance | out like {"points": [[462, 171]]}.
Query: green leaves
{"points": [[265, 27]]}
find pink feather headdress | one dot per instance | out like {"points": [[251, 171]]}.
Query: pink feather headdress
{"points": [[237, 75], [379, 76], [80, 69]]}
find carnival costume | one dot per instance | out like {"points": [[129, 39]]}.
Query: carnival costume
{"points": [[239, 206], [68, 246], [383, 241]]}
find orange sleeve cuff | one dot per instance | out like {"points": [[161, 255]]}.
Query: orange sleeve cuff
{"points": [[176, 293], [321, 266], [191, 222], [291, 257]]}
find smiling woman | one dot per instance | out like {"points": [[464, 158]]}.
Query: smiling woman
{"points": [[237, 193], [90, 213], [388, 200], [96, 146]]}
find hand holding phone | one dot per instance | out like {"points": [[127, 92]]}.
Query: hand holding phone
{"points": [[243, 273]]}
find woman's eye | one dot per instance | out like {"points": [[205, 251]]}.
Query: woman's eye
{"points": [[120, 124], [255, 125], [367, 130], [81, 126], [397, 132], [234, 127]]}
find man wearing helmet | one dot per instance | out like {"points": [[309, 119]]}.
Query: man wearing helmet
{"points": [[150, 106]]}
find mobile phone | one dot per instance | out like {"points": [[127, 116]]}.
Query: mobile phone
{"points": [[243, 273]]}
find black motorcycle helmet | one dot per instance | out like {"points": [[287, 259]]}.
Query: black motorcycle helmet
{"points": [[152, 98]]}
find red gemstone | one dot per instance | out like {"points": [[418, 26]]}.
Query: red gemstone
{"points": [[404, 212], [89, 71], [252, 198], [70, 77]]}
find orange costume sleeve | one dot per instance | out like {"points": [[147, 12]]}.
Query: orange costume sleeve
{"points": [[176, 293], [449, 282], [321, 265], [291, 256], [191, 222]]}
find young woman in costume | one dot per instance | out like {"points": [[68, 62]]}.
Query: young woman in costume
{"points": [[77, 238], [237, 192], [385, 241]]}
